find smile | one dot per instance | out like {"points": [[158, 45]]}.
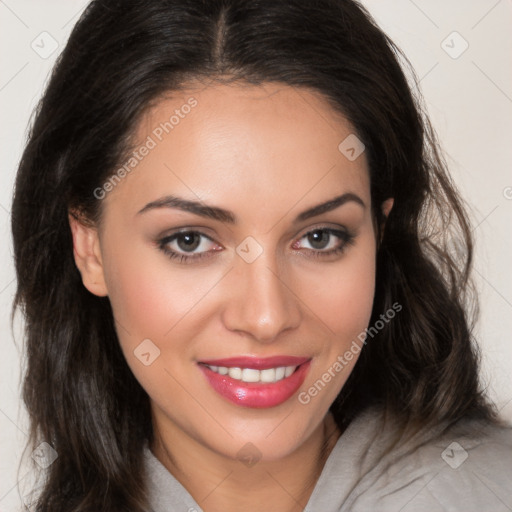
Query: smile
{"points": [[256, 382], [251, 375]]}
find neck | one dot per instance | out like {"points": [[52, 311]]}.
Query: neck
{"points": [[218, 483]]}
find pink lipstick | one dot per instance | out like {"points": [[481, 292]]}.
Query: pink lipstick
{"points": [[256, 382]]}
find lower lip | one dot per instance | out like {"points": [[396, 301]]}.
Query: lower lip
{"points": [[254, 394]]}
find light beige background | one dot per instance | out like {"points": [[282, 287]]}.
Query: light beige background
{"points": [[469, 99]]}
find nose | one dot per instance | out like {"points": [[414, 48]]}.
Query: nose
{"points": [[262, 304]]}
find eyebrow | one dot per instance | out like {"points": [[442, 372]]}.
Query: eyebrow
{"points": [[220, 214]]}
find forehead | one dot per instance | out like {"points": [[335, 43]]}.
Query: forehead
{"points": [[241, 145]]}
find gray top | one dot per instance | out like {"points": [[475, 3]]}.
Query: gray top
{"points": [[467, 467]]}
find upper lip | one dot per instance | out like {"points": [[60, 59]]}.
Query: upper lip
{"points": [[257, 363]]}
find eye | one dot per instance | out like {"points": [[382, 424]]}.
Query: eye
{"points": [[188, 245], [325, 241]]}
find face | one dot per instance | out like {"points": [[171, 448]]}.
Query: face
{"points": [[238, 253]]}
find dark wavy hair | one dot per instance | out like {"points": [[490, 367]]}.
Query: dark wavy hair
{"points": [[122, 57]]}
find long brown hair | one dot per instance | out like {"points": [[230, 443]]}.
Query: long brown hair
{"points": [[80, 394]]}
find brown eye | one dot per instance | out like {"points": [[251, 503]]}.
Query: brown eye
{"points": [[325, 241], [182, 245], [188, 241], [319, 239]]}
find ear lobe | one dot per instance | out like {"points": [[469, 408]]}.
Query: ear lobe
{"points": [[87, 255]]}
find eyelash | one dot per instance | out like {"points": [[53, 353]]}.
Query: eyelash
{"points": [[346, 238]]}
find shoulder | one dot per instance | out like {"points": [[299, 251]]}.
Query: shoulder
{"points": [[467, 466]]}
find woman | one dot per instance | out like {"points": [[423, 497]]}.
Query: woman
{"points": [[233, 231]]}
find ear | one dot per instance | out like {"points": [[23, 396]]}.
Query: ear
{"points": [[86, 251], [386, 207]]}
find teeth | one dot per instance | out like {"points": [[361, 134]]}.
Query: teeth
{"points": [[288, 371], [235, 373], [251, 375], [268, 375]]}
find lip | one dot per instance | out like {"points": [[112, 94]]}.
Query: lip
{"points": [[256, 395]]}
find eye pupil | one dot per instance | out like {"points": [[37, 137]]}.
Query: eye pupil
{"points": [[191, 240], [318, 239]]}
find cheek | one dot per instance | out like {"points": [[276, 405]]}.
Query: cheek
{"points": [[151, 303], [342, 295], [145, 295], [344, 306], [356, 293], [137, 296]]}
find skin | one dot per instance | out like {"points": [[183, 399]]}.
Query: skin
{"points": [[266, 153]]}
